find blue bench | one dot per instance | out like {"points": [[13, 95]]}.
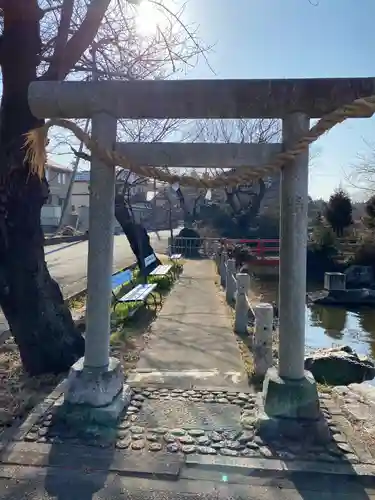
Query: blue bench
{"points": [[137, 295], [120, 279]]}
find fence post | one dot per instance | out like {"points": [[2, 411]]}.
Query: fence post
{"points": [[262, 341], [242, 307], [223, 266], [216, 247], [231, 282]]}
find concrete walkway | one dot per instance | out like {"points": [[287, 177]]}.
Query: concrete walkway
{"points": [[192, 342]]}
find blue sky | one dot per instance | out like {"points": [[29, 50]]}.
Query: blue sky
{"points": [[292, 38]]}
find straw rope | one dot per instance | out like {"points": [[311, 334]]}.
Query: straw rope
{"points": [[36, 141]]}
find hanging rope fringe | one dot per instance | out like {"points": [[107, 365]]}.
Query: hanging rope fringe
{"points": [[36, 150]]}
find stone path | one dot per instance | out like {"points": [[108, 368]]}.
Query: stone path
{"points": [[192, 341]]}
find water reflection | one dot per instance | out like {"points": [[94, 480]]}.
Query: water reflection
{"points": [[328, 326], [332, 320]]}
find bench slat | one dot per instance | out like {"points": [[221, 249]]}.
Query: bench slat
{"points": [[161, 270], [121, 278], [139, 293], [176, 256]]}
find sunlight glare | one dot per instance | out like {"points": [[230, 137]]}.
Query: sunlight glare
{"points": [[150, 16]]}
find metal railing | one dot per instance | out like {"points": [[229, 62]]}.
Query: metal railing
{"points": [[260, 248], [193, 247]]}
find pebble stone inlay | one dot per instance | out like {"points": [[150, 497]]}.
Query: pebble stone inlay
{"points": [[244, 441]]}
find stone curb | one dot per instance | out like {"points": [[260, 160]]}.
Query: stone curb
{"points": [[64, 239], [259, 467]]}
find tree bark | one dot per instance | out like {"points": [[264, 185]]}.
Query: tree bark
{"points": [[30, 299], [137, 236]]}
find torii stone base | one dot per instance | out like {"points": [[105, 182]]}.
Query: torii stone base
{"points": [[94, 396]]}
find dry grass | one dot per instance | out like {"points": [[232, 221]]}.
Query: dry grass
{"points": [[19, 393]]}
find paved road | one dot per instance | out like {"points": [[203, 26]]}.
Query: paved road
{"points": [[67, 262]]}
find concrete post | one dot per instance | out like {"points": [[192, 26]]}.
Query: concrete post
{"points": [[242, 307], [231, 283], [100, 254], [262, 343], [334, 281], [223, 269], [293, 245]]}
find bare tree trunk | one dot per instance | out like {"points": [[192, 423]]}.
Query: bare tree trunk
{"points": [[136, 234], [31, 300]]}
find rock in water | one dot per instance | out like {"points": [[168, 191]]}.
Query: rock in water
{"points": [[339, 366]]}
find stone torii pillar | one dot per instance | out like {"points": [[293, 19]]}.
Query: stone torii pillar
{"points": [[290, 393]]}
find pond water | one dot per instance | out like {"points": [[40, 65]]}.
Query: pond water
{"points": [[329, 326]]}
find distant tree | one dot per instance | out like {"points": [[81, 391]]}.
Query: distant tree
{"points": [[369, 218], [338, 212]]}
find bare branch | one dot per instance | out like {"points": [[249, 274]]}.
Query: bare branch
{"points": [[62, 38], [81, 40]]}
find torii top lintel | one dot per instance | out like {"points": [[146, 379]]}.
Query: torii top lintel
{"points": [[196, 99]]}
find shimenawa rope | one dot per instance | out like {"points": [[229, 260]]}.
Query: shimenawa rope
{"points": [[36, 141]]}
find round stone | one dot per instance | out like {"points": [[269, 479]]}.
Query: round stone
{"points": [[245, 437], [169, 438], [209, 400], [222, 400], [188, 448], [146, 394], [123, 443], [136, 437], [31, 436], [266, 452], [344, 447], [43, 431], [152, 437], [138, 397], [163, 391], [258, 440], [122, 433], [158, 430], [203, 441], [136, 429], [234, 445], [133, 417], [136, 404], [352, 458], [177, 391], [178, 432], [196, 432], [249, 406], [132, 409], [124, 425], [173, 448], [243, 396], [154, 446], [252, 445], [195, 399], [238, 402], [218, 445], [206, 450], [247, 452], [42, 440], [190, 393], [231, 435], [229, 453], [186, 440], [138, 445], [248, 422], [215, 437]]}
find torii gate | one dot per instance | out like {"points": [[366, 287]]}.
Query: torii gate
{"points": [[97, 380]]}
